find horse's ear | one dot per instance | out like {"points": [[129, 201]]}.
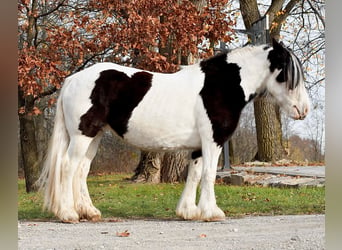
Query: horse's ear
{"points": [[276, 45]]}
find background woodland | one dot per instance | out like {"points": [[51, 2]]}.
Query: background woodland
{"points": [[59, 38]]}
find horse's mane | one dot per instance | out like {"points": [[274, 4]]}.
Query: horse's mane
{"points": [[294, 71], [291, 69]]}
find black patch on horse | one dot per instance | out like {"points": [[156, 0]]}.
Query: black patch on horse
{"points": [[252, 96], [196, 154], [280, 58], [222, 96], [114, 97]]}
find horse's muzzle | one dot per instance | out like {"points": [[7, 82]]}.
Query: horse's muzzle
{"points": [[300, 115]]}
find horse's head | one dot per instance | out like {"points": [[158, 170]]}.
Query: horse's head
{"points": [[286, 84]]}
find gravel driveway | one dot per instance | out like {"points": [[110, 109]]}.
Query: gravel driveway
{"points": [[264, 232]]}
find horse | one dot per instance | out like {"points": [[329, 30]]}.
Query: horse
{"points": [[195, 108]]}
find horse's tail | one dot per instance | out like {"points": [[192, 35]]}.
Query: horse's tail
{"points": [[50, 178]]}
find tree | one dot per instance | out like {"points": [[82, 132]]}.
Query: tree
{"points": [[267, 115], [29, 90], [58, 38]]}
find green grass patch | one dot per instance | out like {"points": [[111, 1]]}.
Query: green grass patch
{"points": [[117, 197]]}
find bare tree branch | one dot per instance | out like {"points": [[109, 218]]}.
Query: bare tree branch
{"points": [[52, 10], [281, 17], [317, 13], [276, 5]]}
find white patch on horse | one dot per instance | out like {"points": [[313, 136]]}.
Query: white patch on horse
{"points": [[254, 68], [164, 118]]}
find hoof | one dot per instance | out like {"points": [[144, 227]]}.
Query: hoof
{"points": [[214, 214], [214, 219], [188, 212], [93, 218], [69, 217], [70, 221], [90, 214]]}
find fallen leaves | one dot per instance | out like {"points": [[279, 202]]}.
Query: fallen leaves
{"points": [[115, 220], [249, 197], [126, 233], [203, 236], [123, 234]]}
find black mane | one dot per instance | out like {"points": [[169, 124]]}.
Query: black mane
{"points": [[287, 62]]}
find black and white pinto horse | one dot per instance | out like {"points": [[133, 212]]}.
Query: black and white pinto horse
{"points": [[195, 108]]}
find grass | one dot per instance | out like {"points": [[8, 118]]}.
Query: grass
{"points": [[118, 198]]}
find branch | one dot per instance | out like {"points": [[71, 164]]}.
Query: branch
{"points": [[52, 10], [35, 39], [274, 8], [47, 92], [317, 13], [279, 19], [290, 5], [315, 83], [91, 58]]}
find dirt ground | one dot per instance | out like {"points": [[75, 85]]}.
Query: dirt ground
{"points": [[263, 232]]}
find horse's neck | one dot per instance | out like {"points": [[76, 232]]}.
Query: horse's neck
{"points": [[254, 68], [251, 58]]}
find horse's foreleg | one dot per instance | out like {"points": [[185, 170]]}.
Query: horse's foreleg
{"points": [[83, 204], [186, 207], [76, 151], [209, 211]]}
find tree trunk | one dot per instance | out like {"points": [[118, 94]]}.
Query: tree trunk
{"points": [[249, 11], [167, 167], [267, 114], [148, 169], [269, 133], [233, 158], [175, 166], [29, 152], [28, 144]]}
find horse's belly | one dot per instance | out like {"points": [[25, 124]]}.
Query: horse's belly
{"points": [[164, 121], [166, 136]]}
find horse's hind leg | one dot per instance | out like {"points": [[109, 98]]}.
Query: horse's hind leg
{"points": [[186, 207], [77, 149], [83, 204]]}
